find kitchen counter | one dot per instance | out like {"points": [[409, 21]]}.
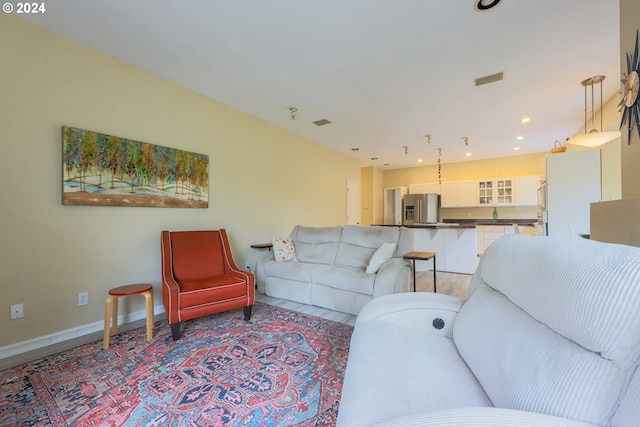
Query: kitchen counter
{"points": [[491, 221], [468, 223]]}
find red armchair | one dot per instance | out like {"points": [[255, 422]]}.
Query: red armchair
{"points": [[200, 277]]}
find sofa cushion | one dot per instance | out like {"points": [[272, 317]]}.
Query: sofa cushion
{"points": [[359, 243], [382, 255], [628, 413], [394, 372], [345, 278], [298, 271], [552, 331], [317, 245]]}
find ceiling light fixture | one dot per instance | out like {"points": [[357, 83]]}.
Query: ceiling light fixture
{"points": [[419, 160], [467, 154], [484, 5], [519, 138], [354, 149], [516, 148], [294, 112], [406, 149], [428, 136], [594, 137], [466, 141], [525, 120]]}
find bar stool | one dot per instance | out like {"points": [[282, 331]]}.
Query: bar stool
{"points": [[111, 309]]}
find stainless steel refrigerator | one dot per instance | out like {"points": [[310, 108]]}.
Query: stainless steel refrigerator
{"points": [[420, 209]]}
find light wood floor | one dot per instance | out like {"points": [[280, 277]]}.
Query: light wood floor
{"points": [[447, 283]]}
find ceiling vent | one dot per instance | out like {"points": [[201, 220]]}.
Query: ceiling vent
{"points": [[321, 122], [489, 79]]}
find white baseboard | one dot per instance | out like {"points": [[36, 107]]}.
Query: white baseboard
{"points": [[38, 343]]}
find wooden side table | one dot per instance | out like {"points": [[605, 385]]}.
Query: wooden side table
{"points": [[424, 256], [111, 309], [262, 246]]}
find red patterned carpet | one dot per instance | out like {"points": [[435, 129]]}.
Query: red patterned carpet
{"points": [[282, 368]]}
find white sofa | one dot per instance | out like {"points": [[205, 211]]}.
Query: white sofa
{"points": [[550, 336], [330, 271]]}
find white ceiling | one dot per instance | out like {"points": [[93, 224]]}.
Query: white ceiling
{"points": [[385, 72]]}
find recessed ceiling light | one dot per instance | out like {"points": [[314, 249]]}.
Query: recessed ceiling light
{"points": [[516, 148], [419, 160], [484, 5], [467, 154], [525, 120], [519, 137]]}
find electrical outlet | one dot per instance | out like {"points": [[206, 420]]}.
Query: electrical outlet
{"points": [[246, 266], [17, 311], [83, 298]]}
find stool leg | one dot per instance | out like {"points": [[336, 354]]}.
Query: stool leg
{"points": [[107, 321], [114, 316], [148, 297]]}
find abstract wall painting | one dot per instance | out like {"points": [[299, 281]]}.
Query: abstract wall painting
{"points": [[106, 170]]}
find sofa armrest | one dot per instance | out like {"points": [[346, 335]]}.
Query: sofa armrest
{"points": [[394, 276], [414, 310], [260, 274], [485, 417]]}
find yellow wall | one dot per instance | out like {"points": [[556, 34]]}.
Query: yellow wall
{"points": [[263, 179], [629, 25], [371, 198]]}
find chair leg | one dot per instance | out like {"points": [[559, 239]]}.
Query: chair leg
{"points": [[247, 312], [175, 331]]}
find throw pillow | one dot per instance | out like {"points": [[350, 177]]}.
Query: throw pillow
{"points": [[382, 255], [283, 249]]}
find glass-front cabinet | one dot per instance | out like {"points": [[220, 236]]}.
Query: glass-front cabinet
{"points": [[504, 190], [496, 192], [485, 193]]}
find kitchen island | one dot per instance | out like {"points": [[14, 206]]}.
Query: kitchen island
{"points": [[456, 241]]}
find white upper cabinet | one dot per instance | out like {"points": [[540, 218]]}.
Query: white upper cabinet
{"points": [[496, 192], [458, 194], [527, 190]]}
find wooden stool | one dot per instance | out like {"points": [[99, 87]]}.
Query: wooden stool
{"points": [[111, 316]]}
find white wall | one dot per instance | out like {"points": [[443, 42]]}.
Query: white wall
{"points": [[263, 180]]}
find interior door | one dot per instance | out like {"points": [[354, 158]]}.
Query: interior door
{"points": [[353, 202]]}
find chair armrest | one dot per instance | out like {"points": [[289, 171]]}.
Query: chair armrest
{"points": [[170, 288], [414, 310], [485, 417]]}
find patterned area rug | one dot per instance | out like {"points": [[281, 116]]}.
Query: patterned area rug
{"points": [[282, 368]]}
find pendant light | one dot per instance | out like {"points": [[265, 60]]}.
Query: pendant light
{"points": [[594, 137]]}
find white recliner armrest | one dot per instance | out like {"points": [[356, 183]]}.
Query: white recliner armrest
{"points": [[414, 310], [483, 417]]}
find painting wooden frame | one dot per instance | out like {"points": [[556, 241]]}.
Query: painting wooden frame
{"points": [[106, 170]]}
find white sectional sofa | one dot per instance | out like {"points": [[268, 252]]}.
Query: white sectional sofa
{"points": [[550, 336], [330, 267]]}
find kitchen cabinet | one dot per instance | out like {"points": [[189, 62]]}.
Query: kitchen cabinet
{"points": [[526, 189], [496, 192], [455, 248], [458, 194], [487, 234], [392, 201]]}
